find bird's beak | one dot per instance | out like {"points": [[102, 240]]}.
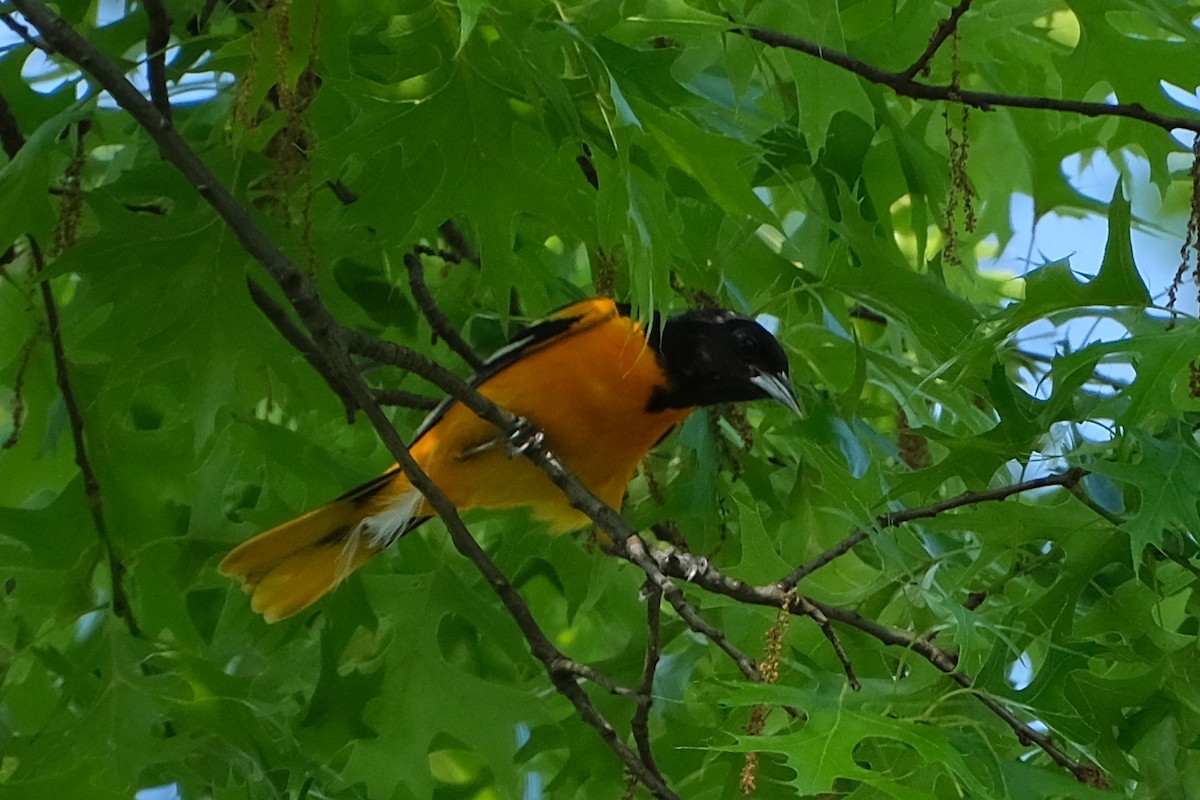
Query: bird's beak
{"points": [[777, 388]]}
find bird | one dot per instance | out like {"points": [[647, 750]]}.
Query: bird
{"points": [[600, 388]]}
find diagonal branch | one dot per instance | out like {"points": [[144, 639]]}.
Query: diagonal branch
{"points": [[816, 615], [458, 242], [91, 486], [907, 87], [947, 662], [405, 399], [1067, 480], [334, 341], [773, 595], [301, 343], [330, 337], [943, 32], [633, 548], [437, 320], [21, 31]]}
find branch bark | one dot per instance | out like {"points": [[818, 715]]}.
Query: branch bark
{"points": [[774, 595], [437, 320], [944, 31], [330, 338], [91, 485], [158, 37], [302, 344], [336, 343], [640, 726], [1067, 480], [903, 84]]}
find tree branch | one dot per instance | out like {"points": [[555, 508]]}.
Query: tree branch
{"points": [[641, 717], [773, 596], [986, 101], [279, 317], [816, 615], [399, 397], [458, 242], [300, 342], [633, 548], [330, 338], [437, 320], [590, 673], [334, 342], [943, 32], [947, 662], [91, 486], [23, 32], [158, 37], [1067, 480]]}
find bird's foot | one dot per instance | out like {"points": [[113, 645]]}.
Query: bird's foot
{"points": [[689, 565], [523, 436]]}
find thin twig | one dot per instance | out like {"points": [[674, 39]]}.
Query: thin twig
{"points": [[817, 616], [589, 673], [1066, 479], [772, 595], [1103, 380], [633, 548], [331, 339], [299, 340], [404, 399], [158, 37], [437, 320], [383, 352], [91, 486], [458, 242], [985, 101], [943, 32], [641, 717], [947, 662], [24, 34]]}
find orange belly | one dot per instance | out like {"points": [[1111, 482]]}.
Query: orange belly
{"points": [[588, 399]]}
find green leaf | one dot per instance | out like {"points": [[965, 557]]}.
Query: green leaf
{"points": [[1054, 287], [1162, 473]]}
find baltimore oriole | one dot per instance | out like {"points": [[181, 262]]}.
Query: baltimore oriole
{"points": [[601, 389]]}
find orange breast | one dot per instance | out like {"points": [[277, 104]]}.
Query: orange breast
{"points": [[587, 391]]}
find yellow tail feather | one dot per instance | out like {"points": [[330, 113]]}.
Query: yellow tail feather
{"points": [[291, 566]]}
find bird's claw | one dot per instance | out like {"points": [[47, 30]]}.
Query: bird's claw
{"points": [[523, 437], [690, 564], [694, 566]]}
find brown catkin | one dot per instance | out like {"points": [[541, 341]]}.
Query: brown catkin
{"points": [[769, 669]]}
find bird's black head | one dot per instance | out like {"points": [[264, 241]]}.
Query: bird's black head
{"points": [[717, 356]]}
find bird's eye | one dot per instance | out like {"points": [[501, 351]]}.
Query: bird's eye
{"points": [[745, 346]]}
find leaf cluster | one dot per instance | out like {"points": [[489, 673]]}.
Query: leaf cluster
{"points": [[651, 148]]}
